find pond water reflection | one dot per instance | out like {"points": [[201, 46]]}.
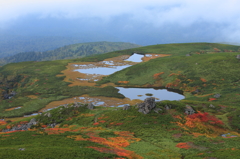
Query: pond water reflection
{"points": [[102, 70], [143, 93], [87, 73], [135, 58]]}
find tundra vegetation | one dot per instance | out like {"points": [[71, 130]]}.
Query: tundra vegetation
{"points": [[206, 73]]}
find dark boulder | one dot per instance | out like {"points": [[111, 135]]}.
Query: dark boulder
{"points": [[48, 114], [157, 110], [147, 105], [90, 106], [167, 107], [217, 96], [22, 126], [189, 110], [211, 106], [6, 96], [126, 107]]}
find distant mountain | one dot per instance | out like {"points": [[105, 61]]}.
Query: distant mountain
{"points": [[69, 52]]}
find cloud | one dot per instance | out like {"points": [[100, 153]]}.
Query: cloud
{"points": [[155, 13]]}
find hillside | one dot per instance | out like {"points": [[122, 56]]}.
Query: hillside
{"points": [[203, 125], [69, 52]]}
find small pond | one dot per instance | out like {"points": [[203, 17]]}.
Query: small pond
{"points": [[143, 93], [102, 70], [135, 58]]}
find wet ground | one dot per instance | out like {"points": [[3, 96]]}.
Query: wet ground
{"points": [[87, 73]]}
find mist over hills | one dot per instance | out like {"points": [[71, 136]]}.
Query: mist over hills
{"points": [[35, 34], [69, 52]]}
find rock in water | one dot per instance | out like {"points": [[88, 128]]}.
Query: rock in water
{"points": [[90, 106], [147, 105]]}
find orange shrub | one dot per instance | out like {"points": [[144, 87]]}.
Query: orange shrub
{"points": [[124, 82], [183, 145], [211, 99], [203, 80], [157, 74], [96, 123]]}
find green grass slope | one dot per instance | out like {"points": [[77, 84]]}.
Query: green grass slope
{"points": [[116, 133], [212, 69]]}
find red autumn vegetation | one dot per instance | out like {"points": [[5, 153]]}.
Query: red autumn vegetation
{"points": [[216, 50], [3, 122], [97, 123], [13, 131], [183, 145], [211, 99], [115, 145], [200, 124], [205, 117], [156, 75], [203, 80], [124, 82], [57, 130], [173, 74]]}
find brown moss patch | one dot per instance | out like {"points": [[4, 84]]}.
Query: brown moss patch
{"points": [[153, 56], [32, 96], [108, 101], [11, 108], [81, 79]]}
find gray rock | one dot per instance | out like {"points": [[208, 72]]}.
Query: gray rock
{"points": [[65, 105], [76, 104], [167, 107], [90, 106], [126, 107], [6, 96], [211, 106], [147, 105], [238, 57], [189, 110], [217, 96], [33, 121], [197, 91], [13, 93], [157, 110], [188, 54], [21, 149], [48, 114], [52, 125]]}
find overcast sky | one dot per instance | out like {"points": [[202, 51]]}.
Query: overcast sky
{"points": [[214, 20]]}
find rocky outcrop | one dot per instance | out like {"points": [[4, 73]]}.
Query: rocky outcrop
{"points": [[157, 110], [217, 96], [126, 107], [22, 126], [48, 114], [90, 106], [211, 106], [147, 105], [189, 110], [9, 96]]}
